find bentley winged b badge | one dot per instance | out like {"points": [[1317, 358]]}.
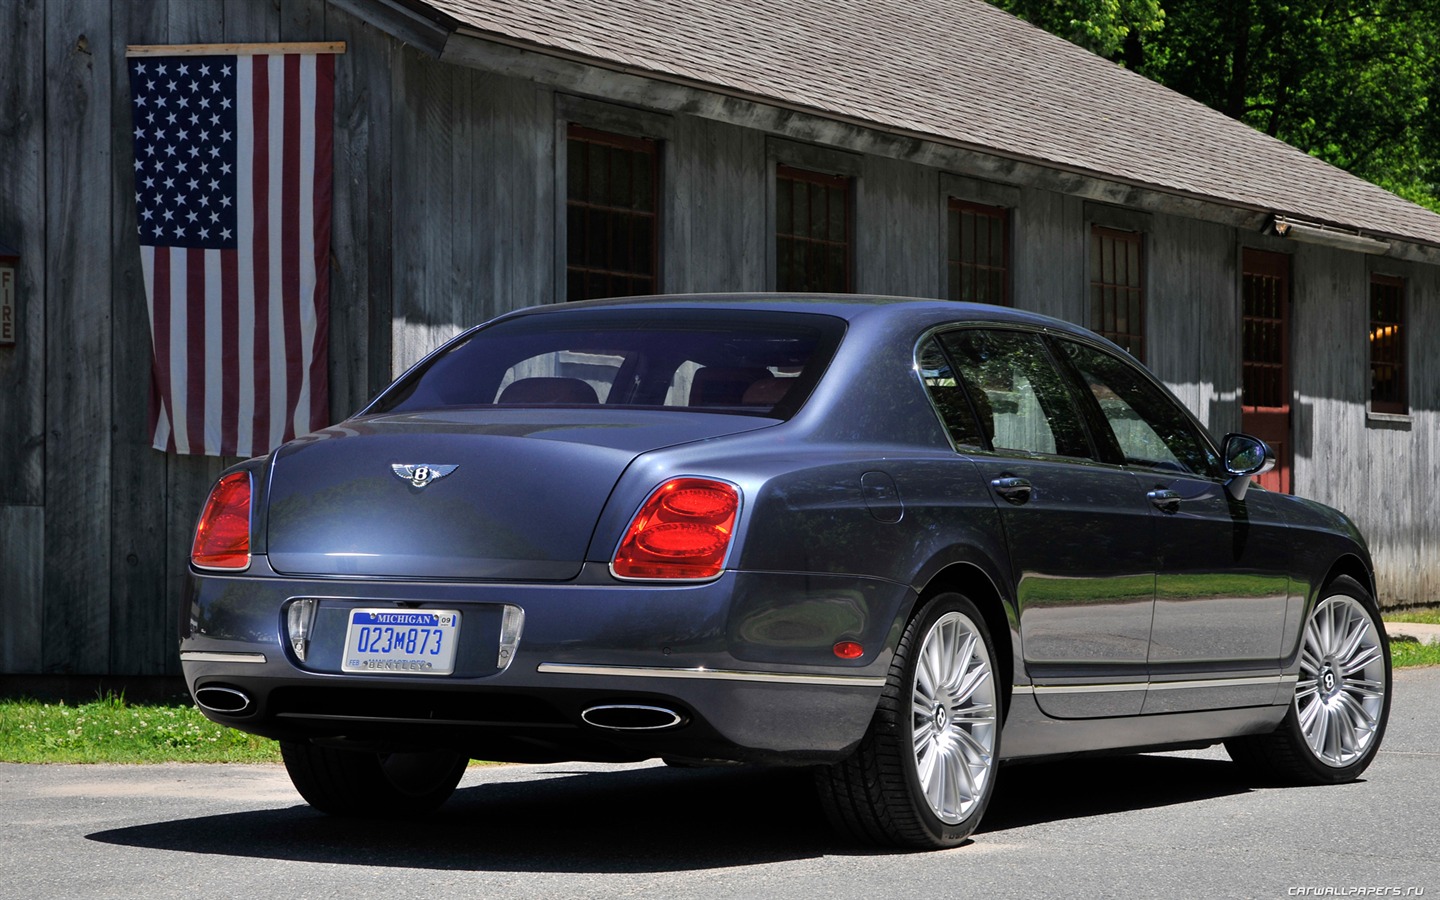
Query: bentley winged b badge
{"points": [[421, 474]]}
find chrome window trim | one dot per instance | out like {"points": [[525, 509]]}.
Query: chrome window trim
{"points": [[701, 672], [1127, 687]]}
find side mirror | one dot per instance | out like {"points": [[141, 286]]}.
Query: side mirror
{"points": [[1245, 458]]}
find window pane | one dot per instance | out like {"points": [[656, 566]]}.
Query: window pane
{"points": [[812, 231], [1388, 375], [611, 211], [1149, 427], [1117, 288], [978, 249], [1021, 398], [945, 391]]}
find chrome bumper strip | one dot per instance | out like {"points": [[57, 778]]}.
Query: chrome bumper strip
{"points": [[1128, 686], [221, 656], [713, 674]]}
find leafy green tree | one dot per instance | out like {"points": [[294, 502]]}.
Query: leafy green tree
{"points": [[1354, 82]]}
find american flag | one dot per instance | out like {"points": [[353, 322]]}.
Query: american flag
{"points": [[232, 190]]}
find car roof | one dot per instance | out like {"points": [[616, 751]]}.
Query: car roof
{"points": [[850, 307]]}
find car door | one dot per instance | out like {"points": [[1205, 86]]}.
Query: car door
{"points": [[1222, 564], [1077, 529]]}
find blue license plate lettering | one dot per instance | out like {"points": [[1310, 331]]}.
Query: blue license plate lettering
{"points": [[401, 641]]}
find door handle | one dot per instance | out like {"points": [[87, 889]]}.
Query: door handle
{"points": [[1165, 500], [1014, 490]]}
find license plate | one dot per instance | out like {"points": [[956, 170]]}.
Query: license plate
{"points": [[401, 641]]}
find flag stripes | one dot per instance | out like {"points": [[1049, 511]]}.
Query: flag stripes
{"points": [[233, 188]]}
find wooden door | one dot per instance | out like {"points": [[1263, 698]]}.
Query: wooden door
{"points": [[1265, 361]]}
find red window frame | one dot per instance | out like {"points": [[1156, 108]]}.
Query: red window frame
{"points": [[1117, 287], [978, 259], [814, 232], [1389, 384], [612, 243]]}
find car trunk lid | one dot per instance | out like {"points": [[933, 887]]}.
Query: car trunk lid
{"points": [[511, 495]]}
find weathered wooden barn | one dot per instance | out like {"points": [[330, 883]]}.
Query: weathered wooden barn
{"points": [[491, 155]]}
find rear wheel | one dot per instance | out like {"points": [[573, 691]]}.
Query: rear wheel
{"points": [[924, 772], [364, 783], [1342, 700]]}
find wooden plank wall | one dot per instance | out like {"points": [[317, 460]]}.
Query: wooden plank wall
{"points": [[22, 407], [94, 524]]}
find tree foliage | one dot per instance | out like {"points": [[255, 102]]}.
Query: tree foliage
{"points": [[1354, 82]]}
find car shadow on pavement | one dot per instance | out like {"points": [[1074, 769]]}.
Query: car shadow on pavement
{"points": [[653, 819], [1033, 793]]}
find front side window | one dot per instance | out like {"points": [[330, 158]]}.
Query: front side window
{"points": [[662, 359], [1117, 288], [978, 260], [812, 231], [1149, 427], [1388, 383], [611, 228], [1018, 394]]}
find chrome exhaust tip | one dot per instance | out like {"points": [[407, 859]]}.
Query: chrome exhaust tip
{"points": [[632, 717], [223, 700]]}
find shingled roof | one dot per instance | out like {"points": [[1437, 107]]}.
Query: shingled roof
{"points": [[960, 72]]}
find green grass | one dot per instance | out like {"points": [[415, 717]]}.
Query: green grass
{"points": [[1413, 653], [1429, 616], [109, 730]]}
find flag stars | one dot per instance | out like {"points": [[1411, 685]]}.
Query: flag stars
{"points": [[195, 103]]}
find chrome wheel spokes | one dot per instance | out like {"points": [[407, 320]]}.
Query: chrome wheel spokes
{"points": [[953, 721], [1341, 692]]}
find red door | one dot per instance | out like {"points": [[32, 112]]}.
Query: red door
{"points": [[1265, 362]]}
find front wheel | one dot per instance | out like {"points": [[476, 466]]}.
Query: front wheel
{"points": [[924, 772], [368, 784], [1342, 700]]}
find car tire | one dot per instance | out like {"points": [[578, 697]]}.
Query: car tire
{"points": [[925, 770], [1337, 718], [367, 784]]}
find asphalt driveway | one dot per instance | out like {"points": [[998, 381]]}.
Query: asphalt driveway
{"points": [[1164, 825]]}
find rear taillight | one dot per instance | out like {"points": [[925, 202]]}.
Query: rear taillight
{"points": [[222, 539], [682, 531]]}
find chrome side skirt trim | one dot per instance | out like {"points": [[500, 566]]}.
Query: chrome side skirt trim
{"points": [[221, 656], [1128, 686], [712, 674]]}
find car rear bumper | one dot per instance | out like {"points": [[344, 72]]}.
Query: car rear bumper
{"points": [[741, 668]]}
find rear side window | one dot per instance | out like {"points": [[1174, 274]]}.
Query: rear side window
{"points": [[1020, 397], [734, 361], [950, 401]]}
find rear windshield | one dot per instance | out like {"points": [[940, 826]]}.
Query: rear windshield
{"points": [[738, 361]]}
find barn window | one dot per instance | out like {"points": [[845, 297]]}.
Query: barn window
{"points": [[611, 234], [1388, 392], [979, 255], [1117, 288], [812, 231]]}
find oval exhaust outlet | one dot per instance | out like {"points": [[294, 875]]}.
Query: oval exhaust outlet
{"points": [[228, 701], [632, 717]]}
